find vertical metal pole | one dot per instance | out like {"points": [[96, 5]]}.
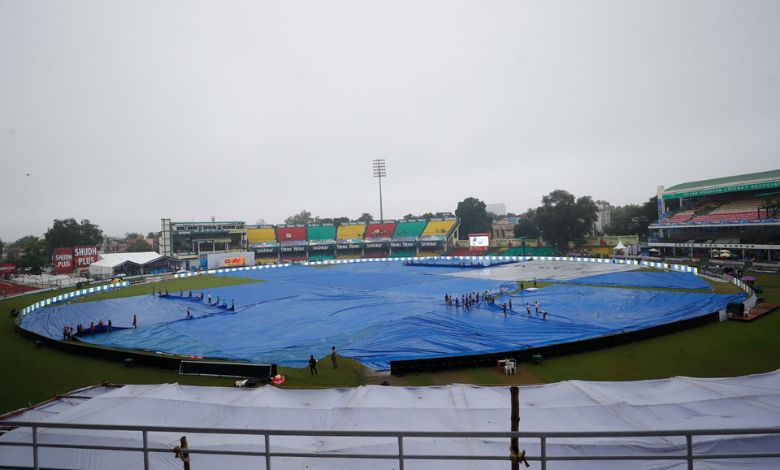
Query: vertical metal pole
{"points": [[544, 452], [267, 452], [381, 213], [35, 447], [515, 421], [400, 452], [185, 456], [689, 444], [146, 449]]}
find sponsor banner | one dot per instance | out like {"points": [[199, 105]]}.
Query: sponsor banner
{"points": [[266, 250], [83, 256], [479, 241], [723, 189], [348, 246], [63, 260], [228, 260], [320, 248], [293, 248], [431, 243], [403, 244], [7, 268], [234, 261], [376, 245]]}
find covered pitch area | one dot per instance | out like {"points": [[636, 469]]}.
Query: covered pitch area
{"points": [[385, 311]]}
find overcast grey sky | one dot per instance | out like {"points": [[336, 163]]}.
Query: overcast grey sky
{"points": [[127, 112]]}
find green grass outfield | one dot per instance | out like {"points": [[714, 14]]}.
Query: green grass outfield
{"points": [[32, 374]]}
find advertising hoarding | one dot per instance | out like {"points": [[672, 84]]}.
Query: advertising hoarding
{"points": [[233, 259], [83, 256], [479, 240], [7, 268], [63, 260]]}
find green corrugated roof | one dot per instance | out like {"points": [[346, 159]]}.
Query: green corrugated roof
{"points": [[729, 180], [726, 184]]}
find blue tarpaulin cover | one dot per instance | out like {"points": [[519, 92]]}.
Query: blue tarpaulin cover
{"points": [[373, 312], [671, 279]]}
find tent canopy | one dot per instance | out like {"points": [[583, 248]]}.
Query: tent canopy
{"points": [[572, 406]]}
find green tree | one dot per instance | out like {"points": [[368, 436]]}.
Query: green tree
{"points": [[153, 235], [473, 217], [68, 232], [1, 249], [365, 217], [35, 255], [302, 218], [633, 219], [562, 218], [526, 227], [14, 250], [139, 245]]}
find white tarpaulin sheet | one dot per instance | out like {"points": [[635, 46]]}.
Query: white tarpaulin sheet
{"points": [[669, 404]]}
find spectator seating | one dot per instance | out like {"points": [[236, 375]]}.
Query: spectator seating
{"points": [[733, 211], [324, 232], [261, 235], [290, 234], [679, 218], [383, 230], [409, 228], [438, 227], [349, 232]]}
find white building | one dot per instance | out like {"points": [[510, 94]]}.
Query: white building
{"points": [[603, 216]]}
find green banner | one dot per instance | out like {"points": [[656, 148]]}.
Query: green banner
{"points": [[724, 189]]}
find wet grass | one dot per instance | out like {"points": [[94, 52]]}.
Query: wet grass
{"points": [[33, 374]]}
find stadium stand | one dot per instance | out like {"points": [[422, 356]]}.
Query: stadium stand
{"points": [[382, 230], [290, 234], [738, 213], [734, 211], [350, 232], [438, 227], [409, 228], [260, 235], [679, 218], [320, 232]]}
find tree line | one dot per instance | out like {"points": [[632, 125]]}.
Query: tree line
{"points": [[560, 219], [31, 252]]}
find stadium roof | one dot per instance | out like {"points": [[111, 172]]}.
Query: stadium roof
{"points": [[117, 259], [747, 182]]}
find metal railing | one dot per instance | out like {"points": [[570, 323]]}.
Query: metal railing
{"points": [[686, 453]]}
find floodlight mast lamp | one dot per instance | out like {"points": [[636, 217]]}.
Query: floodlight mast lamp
{"points": [[380, 172]]}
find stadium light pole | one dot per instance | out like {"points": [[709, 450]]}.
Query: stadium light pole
{"points": [[380, 172]]}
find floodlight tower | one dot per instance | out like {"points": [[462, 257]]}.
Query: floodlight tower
{"points": [[380, 172]]}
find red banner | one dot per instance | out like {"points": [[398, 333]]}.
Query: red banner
{"points": [[84, 255], [63, 260], [7, 268]]}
